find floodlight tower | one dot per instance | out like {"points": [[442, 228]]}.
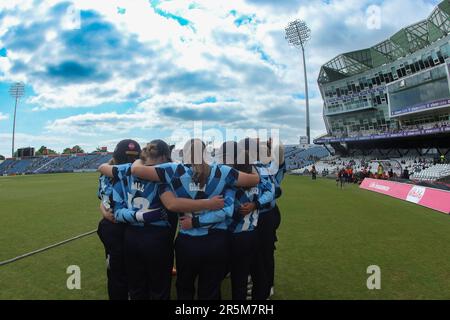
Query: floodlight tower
{"points": [[16, 91], [297, 34]]}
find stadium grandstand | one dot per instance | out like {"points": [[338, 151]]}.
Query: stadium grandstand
{"points": [[391, 102], [54, 163], [388, 104], [295, 155], [299, 157]]}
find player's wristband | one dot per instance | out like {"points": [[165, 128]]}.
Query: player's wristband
{"points": [[152, 216]]}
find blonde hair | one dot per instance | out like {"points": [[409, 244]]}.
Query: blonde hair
{"points": [[156, 150], [193, 154]]}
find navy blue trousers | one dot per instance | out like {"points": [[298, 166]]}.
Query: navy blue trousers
{"points": [[149, 261], [243, 263], [172, 217], [202, 258], [268, 224], [112, 237]]}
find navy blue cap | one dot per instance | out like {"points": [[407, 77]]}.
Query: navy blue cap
{"points": [[126, 150]]}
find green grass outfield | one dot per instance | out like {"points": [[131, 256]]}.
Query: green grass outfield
{"points": [[327, 239]]}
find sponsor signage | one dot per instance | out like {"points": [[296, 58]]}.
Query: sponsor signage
{"points": [[410, 133], [435, 199], [423, 106]]}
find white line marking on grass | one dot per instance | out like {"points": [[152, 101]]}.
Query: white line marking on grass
{"points": [[47, 248]]}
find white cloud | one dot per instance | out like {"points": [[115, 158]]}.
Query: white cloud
{"points": [[90, 124], [165, 67], [3, 116], [23, 140]]}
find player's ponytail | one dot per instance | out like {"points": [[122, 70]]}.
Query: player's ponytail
{"points": [[193, 155], [156, 151]]}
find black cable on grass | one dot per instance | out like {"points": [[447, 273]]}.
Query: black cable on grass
{"points": [[2, 263]]}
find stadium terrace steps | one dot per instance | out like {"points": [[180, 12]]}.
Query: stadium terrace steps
{"points": [[44, 165], [433, 173], [299, 158], [64, 163], [421, 168], [295, 156]]}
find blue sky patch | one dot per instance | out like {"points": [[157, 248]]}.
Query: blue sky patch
{"points": [[181, 21], [210, 99], [244, 19], [114, 70]]}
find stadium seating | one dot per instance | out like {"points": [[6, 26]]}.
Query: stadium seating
{"points": [[6, 165], [298, 161], [297, 158], [53, 164], [421, 168], [432, 173]]}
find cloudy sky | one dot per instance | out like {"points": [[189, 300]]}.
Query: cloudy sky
{"points": [[99, 71]]}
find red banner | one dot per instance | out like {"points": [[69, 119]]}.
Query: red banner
{"points": [[428, 197]]}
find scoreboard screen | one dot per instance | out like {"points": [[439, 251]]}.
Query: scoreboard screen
{"points": [[25, 152]]}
